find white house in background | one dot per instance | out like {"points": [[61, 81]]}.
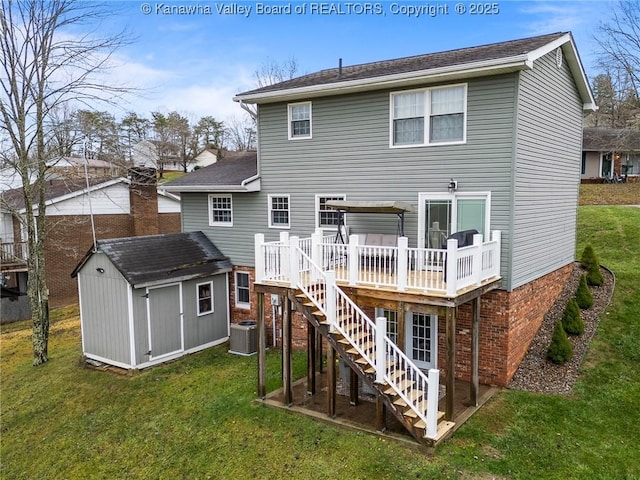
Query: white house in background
{"points": [[145, 154], [207, 157]]}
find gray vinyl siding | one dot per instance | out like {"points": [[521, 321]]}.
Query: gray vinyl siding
{"points": [[350, 154], [105, 317], [141, 325], [547, 176]]}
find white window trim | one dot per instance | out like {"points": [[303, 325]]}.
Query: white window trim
{"points": [[239, 304], [270, 210], [290, 133], [210, 283], [433, 362], [454, 211], [427, 117], [317, 210], [209, 202]]}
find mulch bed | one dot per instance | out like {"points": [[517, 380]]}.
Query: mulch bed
{"points": [[536, 373]]}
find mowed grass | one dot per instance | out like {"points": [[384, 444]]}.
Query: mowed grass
{"points": [[610, 194], [195, 418]]}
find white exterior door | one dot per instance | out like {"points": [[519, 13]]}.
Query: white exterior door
{"points": [[421, 339]]}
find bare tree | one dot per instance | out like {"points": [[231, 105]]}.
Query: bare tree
{"points": [[269, 73], [241, 133], [44, 67], [619, 41]]}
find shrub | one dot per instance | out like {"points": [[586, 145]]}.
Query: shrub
{"points": [[560, 349], [571, 319], [589, 260], [583, 295]]}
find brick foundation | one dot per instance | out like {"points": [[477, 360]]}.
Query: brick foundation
{"points": [[508, 323]]}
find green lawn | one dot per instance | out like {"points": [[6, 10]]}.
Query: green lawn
{"points": [[195, 418]]}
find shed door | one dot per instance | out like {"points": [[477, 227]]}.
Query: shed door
{"points": [[164, 320]]}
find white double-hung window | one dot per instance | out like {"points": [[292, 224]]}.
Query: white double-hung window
{"points": [[429, 116], [299, 120]]}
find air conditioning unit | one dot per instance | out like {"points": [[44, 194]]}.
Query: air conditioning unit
{"points": [[244, 338]]}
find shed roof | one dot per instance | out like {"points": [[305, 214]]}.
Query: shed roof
{"points": [[158, 259], [234, 172]]}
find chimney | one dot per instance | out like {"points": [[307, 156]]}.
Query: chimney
{"points": [[143, 197]]}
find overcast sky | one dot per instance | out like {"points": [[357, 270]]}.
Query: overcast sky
{"points": [[194, 56]]}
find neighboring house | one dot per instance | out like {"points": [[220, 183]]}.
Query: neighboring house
{"points": [[147, 300], [207, 157], [609, 153], [485, 139], [146, 153], [74, 167], [121, 207]]}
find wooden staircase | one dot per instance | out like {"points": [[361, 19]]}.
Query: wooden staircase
{"points": [[344, 345]]}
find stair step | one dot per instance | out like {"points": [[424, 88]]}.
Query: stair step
{"points": [[443, 426], [366, 347], [416, 395], [402, 385], [362, 361]]}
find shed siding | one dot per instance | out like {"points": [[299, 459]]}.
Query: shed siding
{"points": [[105, 317], [549, 153], [350, 154], [141, 325], [200, 330]]}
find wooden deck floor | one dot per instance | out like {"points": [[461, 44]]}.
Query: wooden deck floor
{"points": [[362, 416]]}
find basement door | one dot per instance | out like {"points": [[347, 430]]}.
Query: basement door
{"points": [[164, 319], [421, 339]]}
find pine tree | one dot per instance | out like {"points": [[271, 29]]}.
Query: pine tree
{"points": [[560, 349], [571, 320], [583, 294], [590, 261]]}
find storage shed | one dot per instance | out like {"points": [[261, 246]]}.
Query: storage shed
{"points": [[146, 300]]}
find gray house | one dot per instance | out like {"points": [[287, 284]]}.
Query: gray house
{"points": [[484, 143], [146, 300]]}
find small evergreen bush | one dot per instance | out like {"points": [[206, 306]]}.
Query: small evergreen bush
{"points": [[560, 349], [571, 320], [589, 260], [583, 295]]}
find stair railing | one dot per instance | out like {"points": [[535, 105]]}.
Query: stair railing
{"points": [[369, 339]]}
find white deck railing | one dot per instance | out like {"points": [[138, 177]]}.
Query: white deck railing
{"points": [[438, 271], [393, 368]]}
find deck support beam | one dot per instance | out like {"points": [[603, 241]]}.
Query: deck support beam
{"points": [[381, 414], [318, 352], [262, 349], [311, 359], [402, 326], [286, 353], [331, 381], [451, 362], [474, 384], [353, 387]]}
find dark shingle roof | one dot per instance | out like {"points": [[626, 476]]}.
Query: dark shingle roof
{"points": [[157, 259], [416, 63], [231, 170], [610, 139]]}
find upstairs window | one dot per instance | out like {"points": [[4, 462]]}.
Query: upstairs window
{"points": [[429, 116], [299, 120], [279, 211], [220, 210]]}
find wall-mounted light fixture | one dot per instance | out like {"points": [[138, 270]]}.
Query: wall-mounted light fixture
{"points": [[453, 185], [100, 270]]}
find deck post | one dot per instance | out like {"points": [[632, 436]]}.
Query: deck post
{"points": [[353, 387], [401, 316], [477, 259], [294, 264], [354, 260], [331, 381], [381, 350], [496, 236], [432, 403], [451, 361], [284, 260], [286, 353], [259, 257], [401, 263], [381, 414], [474, 385], [262, 348], [311, 359], [316, 251], [319, 351], [452, 267], [330, 299]]}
